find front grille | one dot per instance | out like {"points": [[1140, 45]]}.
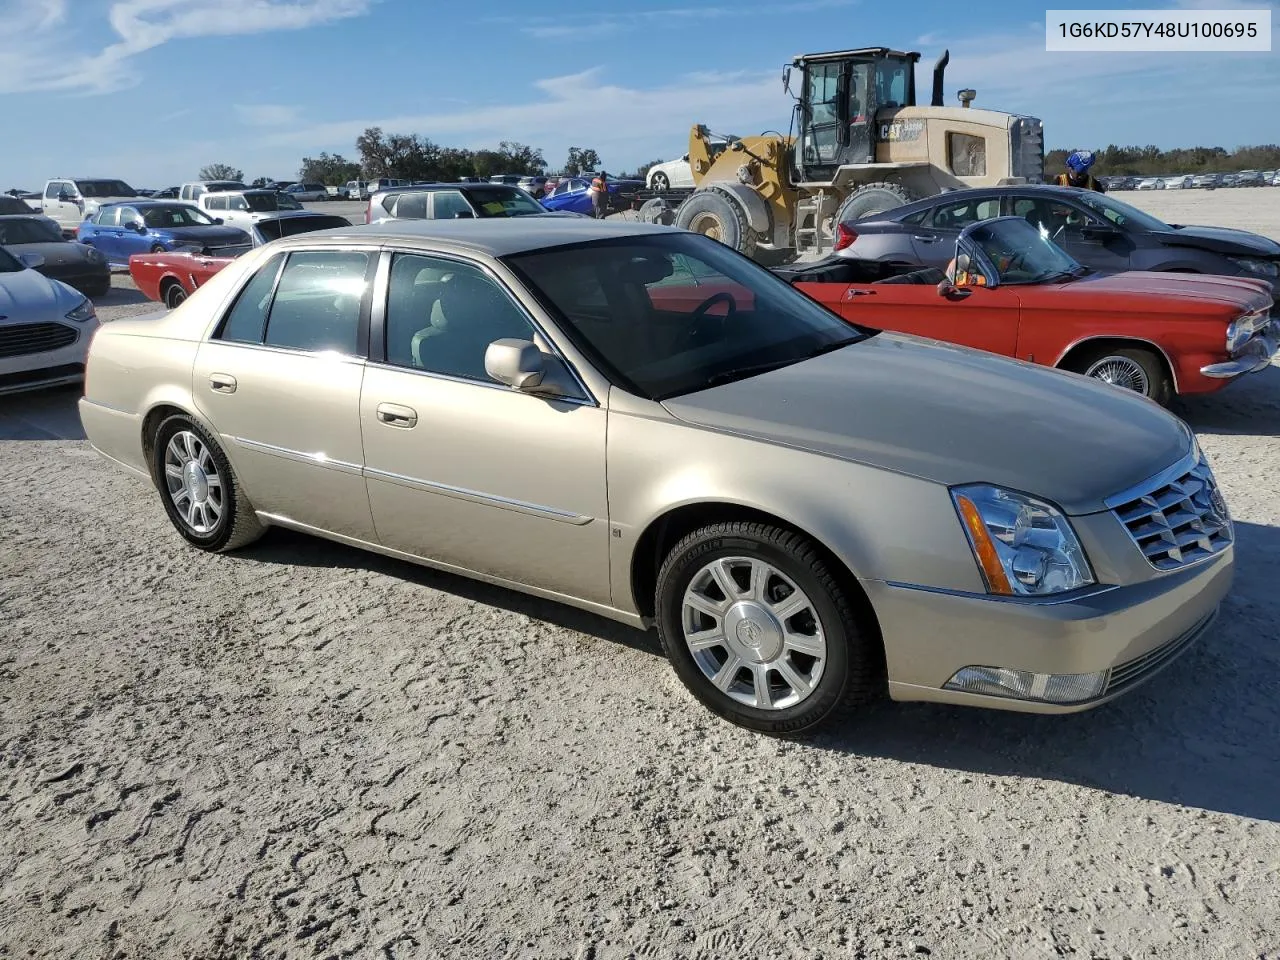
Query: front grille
{"points": [[23, 339], [1179, 522], [1139, 668]]}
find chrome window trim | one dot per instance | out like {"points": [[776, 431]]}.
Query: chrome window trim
{"points": [[326, 355], [475, 496], [588, 398], [489, 385]]}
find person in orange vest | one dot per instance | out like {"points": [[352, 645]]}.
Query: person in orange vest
{"points": [[599, 195]]}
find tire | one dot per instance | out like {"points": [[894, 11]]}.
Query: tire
{"points": [[661, 182], [1132, 368], [98, 288], [656, 210], [717, 215], [157, 248], [849, 673], [873, 198], [174, 294], [235, 524]]}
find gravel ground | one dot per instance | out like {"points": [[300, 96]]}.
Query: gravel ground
{"points": [[302, 750]]}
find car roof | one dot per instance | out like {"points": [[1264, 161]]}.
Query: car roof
{"points": [[1048, 189], [497, 236], [409, 186], [149, 203]]}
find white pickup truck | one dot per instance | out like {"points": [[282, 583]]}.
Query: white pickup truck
{"points": [[70, 200]]}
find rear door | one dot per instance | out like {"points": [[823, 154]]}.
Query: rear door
{"points": [[933, 238], [107, 234], [280, 381]]}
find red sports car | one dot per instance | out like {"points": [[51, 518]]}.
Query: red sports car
{"points": [[1011, 291]]}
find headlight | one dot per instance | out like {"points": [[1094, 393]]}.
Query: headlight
{"points": [[83, 312], [1023, 546], [1263, 268], [1242, 329]]}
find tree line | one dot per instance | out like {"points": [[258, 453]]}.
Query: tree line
{"points": [[1151, 161]]}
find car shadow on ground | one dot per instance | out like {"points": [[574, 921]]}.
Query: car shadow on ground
{"points": [[1250, 406], [119, 296], [1201, 733], [42, 415]]}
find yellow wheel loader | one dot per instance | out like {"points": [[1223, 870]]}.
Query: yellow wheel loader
{"points": [[864, 147]]}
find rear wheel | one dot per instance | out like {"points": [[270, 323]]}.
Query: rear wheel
{"points": [[199, 489], [157, 248], [761, 631], [661, 182], [174, 295], [1132, 368], [718, 216]]}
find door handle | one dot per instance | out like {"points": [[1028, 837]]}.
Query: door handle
{"points": [[222, 382], [396, 415], [926, 239], [858, 293]]}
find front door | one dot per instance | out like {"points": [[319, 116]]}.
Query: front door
{"points": [[67, 212], [464, 470], [280, 380], [985, 319]]}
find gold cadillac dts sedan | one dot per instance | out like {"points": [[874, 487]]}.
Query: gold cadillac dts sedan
{"points": [[638, 421]]}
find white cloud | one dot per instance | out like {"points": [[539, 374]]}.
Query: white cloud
{"points": [[37, 51]]}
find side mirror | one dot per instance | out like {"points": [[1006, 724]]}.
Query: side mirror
{"points": [[1099, 231], [139, 226], [950, 291], [65, 197], [517, 363], [32, 260], [217, 220]]}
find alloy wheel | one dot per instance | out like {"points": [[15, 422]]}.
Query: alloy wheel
{"points": [[194, 483]]}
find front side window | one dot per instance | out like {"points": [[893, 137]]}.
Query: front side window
{"points": [[317, 302], [56, 189], [662, 341], [168, 215], [1020, 252], [442, 315], [503, 201], [217, 203]]}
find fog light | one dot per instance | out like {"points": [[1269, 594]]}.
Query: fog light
{"points": [[1023, 685]]}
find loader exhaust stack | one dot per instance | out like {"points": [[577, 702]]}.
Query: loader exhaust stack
{"points": [[938, 68]]}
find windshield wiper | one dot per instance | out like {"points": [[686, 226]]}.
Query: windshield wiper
{"points": [[738, 373]]}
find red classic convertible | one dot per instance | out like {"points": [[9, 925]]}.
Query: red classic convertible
{"points": [[1012, 291]]}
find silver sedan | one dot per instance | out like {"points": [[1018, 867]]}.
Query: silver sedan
{"points": [[638, 421], [45, 327]]}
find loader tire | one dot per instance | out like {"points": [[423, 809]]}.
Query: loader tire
{"points": [[873, 198], [657, 210], [719, 216]]}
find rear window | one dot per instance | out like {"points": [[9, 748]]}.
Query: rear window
{"points": [[291, 226], [105, 188]]}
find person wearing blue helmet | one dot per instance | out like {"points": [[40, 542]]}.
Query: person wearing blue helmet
{"points": [[1078, 175]]}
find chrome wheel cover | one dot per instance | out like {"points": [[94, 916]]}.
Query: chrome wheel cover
{"points": [[194, 484], [753, 633], [1120, 372]]}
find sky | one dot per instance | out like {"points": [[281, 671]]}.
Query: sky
{"points": [[151, 90]]}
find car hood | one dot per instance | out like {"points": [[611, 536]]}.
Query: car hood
{"points": [[57, 253], [29, 295], [1240, 294], [1225, 240], [207, 235], [953, 415]]}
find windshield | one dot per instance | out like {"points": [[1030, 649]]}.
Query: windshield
{"points": [[1121, 214], [499, 201], [670, 314], [105, 188], [291, 226], [1020, 252], [174, 215], [28, 231]]}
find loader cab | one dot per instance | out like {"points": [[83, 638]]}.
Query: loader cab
{"points": [[839, 96]]}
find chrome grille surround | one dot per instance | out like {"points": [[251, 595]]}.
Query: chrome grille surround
{"points": [[1177, 518]]}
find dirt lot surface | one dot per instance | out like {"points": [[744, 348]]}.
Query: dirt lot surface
{"points": [[301, 750]]}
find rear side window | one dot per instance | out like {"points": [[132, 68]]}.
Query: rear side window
{"points": [[411, 206], [248, 315], [318, 300]]}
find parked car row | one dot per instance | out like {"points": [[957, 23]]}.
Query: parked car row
{"points": [[1202, 181], [814, 511]]}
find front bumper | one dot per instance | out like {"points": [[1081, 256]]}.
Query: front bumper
{"points": [[1253, 356], [1130, 632]]}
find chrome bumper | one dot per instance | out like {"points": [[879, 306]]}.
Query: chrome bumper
{"points": [[1254, 355]]}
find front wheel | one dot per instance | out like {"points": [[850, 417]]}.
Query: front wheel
{"points": [[661, 182], [1131, 368], [199, 489], [174, 295], [761, 631]]}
